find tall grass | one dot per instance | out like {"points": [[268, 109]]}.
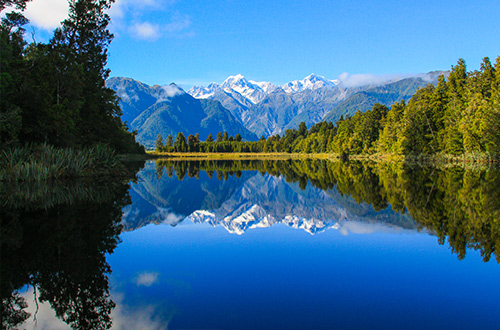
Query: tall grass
{"points": [[46, 162]]}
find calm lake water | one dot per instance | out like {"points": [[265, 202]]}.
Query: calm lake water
{"points": [[256, 245]]}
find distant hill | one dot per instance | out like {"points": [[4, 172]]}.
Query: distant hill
{"points": [[169, 110], [387, 94]]}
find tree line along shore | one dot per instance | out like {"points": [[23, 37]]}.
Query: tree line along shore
{"points": [[458, 119]]}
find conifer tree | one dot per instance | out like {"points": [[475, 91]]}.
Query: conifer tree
{"points": [[180, 144], [170, 141], [219, 137], [159, 143]]}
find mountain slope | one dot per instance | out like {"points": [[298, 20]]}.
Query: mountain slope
{"points": [[188, 115], [281, 110], [134, 96], [386, 94], [169, 110]]}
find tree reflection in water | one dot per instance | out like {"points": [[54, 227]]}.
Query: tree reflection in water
{"points": [[54, 238], [460, 205]]}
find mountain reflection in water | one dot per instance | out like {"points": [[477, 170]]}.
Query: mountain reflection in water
{"points": [[461, 205], [56, 238]]}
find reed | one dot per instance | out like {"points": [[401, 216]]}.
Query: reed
{"points": [[46, 162]]}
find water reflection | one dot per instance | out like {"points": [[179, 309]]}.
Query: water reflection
{"points": [[54, 241], [459, 205], [55, 238]]}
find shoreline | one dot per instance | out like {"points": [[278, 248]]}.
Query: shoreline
{"points": [[434, 159]]}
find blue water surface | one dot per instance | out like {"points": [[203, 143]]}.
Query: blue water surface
{"points": [[195, 276]]}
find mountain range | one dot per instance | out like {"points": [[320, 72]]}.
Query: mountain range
{"points": [[267, 109], [153, 110], [251, 108]]}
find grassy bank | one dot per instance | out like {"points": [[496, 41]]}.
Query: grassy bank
{"points": [[45, 162], [427, 159], [227, 155]]}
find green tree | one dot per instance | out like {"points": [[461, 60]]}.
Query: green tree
{"points": [[18, 4], [12, 67], [170, 141], [180, 144], [159, 143], [453, 136], [219, 137], [193, 143], [209, 138], [60, 96], [390, 137], [303, 129]]}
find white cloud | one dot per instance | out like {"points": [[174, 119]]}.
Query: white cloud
{"points": [[356, 227], [357, 80], [124, 317], [44, 314], [149, 19], [172, 90], [168, 217], [136, 317], [147, 278], [146, 31], [47, 14]]}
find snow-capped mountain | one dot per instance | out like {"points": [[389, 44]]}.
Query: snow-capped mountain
{"points": [[312, 82], [201, 92], [251, 90], [263, 108], [255, 91]]}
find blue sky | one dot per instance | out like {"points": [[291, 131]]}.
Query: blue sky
{"points": [[196, 42]]}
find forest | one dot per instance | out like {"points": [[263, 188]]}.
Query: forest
{"points": [[458, 116], [53, 93]]}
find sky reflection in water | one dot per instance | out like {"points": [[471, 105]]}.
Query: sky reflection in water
{"points": [[352, 275], [251, 250]]}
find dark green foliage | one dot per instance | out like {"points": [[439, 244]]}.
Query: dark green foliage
{"points": [[193, 143], [54, 93], [55, 239], [170, 141], [180, 144]]}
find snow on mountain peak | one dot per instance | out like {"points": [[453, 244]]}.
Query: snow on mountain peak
{"points": [[250, 90], [312, 81], [235, 82], [255, 91], [201, 92]]}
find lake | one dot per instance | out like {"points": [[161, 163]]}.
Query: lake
{"points": [[290, 244]]}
